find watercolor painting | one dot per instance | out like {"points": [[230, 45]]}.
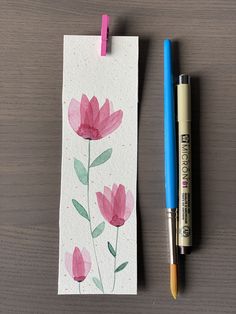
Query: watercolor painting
{"points": [[90, 122], [98, 238], [78, 265], [93, 123], [116, 206]]}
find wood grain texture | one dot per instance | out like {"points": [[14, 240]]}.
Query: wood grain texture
{"points": [[31, 37]]}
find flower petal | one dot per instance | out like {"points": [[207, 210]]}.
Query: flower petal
{"points": [[68, 263], [129, 205], [87, 261], [88, 119], [111, 123], [119, 202], [103, 113], [114, 190], [78, 264], [84, 104], [104, 206], [108, 193], [95, 108], [74, 114]]}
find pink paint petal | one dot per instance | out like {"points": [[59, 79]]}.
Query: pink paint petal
{"points": [[86, 255], [119, 202], [111, 123], [104, 206], [87, 261], [68, 263], [114, 190], [103, 113], [108, 193], [95, 108], [105, 110], [74, 114], [100, 200], [129, 205], [89, 115], [107, 209], [84, 104], [78, 264]]}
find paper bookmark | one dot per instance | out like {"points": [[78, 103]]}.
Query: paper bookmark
{"points": [[98, 245]]}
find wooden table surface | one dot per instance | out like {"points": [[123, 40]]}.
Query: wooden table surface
{"points": [[31, 38]]}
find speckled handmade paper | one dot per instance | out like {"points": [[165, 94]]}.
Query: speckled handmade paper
{"points": [[98, 244]]}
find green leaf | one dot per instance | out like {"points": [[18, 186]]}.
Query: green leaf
{"points": [[102, 158], [81, 171], [80, 209], [98, 283], [98, 230], [111, 249], [121, 267]]}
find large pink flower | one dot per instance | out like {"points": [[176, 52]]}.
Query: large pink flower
{"points": [[78, 265], [115, 205], [90, 122]]}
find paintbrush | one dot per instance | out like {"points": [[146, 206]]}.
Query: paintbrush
{"points": [[170, 163]]}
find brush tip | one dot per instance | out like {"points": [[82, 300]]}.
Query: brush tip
{"points": [[173, 280]]}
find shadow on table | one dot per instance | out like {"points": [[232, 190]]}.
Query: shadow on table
{"points": [[196, 161], [144, 46]]}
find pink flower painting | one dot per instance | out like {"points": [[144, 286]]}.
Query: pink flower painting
{"points": [[115, 204], [78, 264], [91, 122]]}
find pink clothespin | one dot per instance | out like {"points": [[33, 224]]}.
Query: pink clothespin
{"points": [[104, 34]]}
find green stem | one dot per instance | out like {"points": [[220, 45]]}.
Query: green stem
{"points": [[79, 288], [116, 246], [90, 225]]}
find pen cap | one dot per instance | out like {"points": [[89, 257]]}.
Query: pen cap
{"points": [[184, 98]]}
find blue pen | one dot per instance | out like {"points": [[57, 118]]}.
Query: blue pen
{"points": [[170, 162]]}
